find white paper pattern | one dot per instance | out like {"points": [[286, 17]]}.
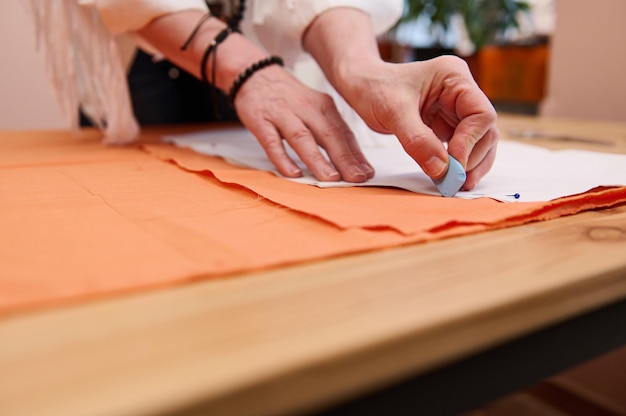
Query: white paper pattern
{"points": [[532, 172]]}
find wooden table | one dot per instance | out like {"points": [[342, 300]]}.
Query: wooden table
{"points": [[317, 335]]}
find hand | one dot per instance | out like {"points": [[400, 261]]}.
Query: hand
{"points": [[426, 104], [274, 106]]}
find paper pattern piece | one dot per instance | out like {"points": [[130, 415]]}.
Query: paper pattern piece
{"points": [[81, 221], [533, 173]]}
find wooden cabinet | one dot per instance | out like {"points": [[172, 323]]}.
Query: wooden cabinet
{"points": [[514, 74]]}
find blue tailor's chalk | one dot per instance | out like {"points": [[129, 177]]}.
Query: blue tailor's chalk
{"points": [[453, 180]]}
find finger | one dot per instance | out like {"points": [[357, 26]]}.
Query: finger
{"points": [[421, 143], [272, 143], [334, 135], [467, 134], [484, 145], [303, 142], [442, 129], [356, 151], [476, 174]]}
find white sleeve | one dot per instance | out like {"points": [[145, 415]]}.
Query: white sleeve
{"points": [[279, 25], [121, 16]]}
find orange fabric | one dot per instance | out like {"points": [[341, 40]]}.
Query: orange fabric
{"points": [[381, 208], [79, 220]]}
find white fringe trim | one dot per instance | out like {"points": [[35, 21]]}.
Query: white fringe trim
{"points": [[85, 69]]}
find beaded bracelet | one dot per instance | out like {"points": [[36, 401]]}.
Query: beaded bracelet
{"points": [[251, 70]]}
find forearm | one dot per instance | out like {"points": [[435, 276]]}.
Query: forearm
{"points": [[343, 42], [169, 32]]}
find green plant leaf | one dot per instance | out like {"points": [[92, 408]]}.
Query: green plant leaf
{"points": [[485, 20]]}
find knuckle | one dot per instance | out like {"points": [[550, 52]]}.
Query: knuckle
{"points": [[274, 147], [343, 158], [491, 116], [316, 158], [459, 84], [335, 131], [414, 144], [452, 61], [271, 143], [313, 158], [299, 135], [327, 104]]}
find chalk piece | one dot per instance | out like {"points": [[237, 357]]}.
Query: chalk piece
{"points": [[453, 180]]}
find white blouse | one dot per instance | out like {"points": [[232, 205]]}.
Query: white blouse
{"points": [[275, 25], [85, 64]]}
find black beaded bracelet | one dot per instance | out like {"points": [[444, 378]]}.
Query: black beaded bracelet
{"points": [[251, 70]]}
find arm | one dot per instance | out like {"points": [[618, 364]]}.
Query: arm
{"points": [[272, 104], [423, 103], [168, 32]]}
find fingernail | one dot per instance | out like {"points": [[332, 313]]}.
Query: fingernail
{"points": [[367, 169], [331, 173], [435, 167], [356, 172], [295, 172]]}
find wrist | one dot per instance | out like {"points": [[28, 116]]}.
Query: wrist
{"points": [[234, 54], [231, 58], [356, 79], [343, 43], [348, 72], [250, 72]]}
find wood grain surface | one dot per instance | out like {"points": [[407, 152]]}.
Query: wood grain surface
{"points": [[295, 338]]}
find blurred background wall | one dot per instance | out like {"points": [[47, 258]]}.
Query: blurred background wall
{"points": [[26, 99], [587, 64]]}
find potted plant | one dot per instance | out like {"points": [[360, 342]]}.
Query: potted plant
{"points": [[512, 74], [486, 21]]}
